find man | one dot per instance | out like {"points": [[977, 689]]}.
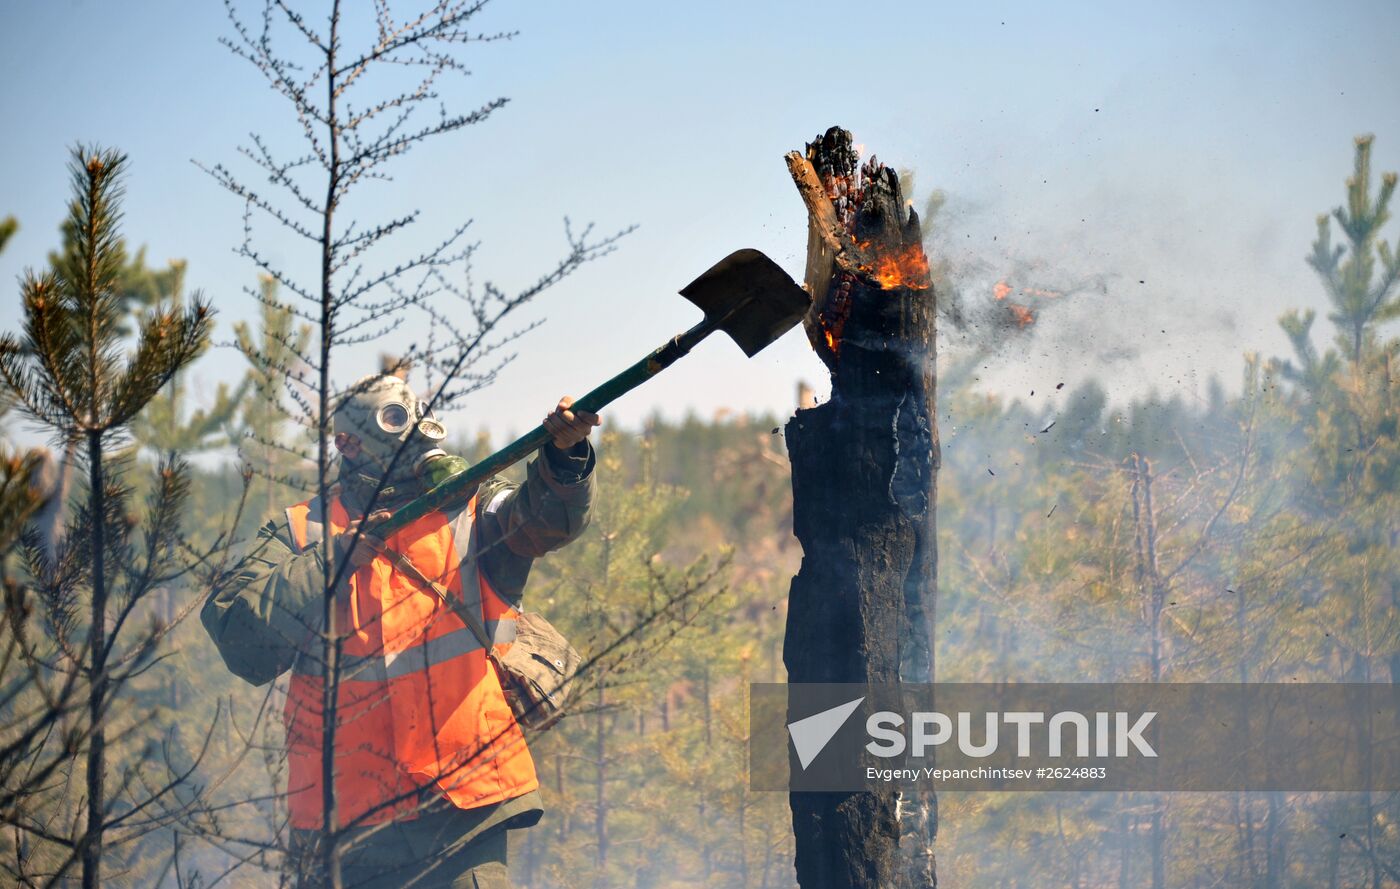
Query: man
{"points": [[430, 768]]}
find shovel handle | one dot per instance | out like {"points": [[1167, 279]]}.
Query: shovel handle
{"points": [[460, 487]]}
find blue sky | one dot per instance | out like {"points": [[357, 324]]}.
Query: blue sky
{"points": [[1188, 146]]}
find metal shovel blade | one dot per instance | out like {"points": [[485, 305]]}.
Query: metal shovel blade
{"points": [[748, 296]]}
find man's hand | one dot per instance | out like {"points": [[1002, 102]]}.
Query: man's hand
{"points": [[364, 550], [569, 427]]}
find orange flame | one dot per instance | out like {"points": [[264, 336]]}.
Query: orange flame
{"points": [[1001, 290], [1024, 315], [907, 268]]}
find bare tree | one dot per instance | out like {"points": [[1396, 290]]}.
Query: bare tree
{"points": [[364, 281]]}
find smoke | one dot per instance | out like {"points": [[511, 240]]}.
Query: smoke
{"points": [[1143, 302], [1149, 290]]}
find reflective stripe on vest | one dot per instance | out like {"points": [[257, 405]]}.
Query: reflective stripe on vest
{"points": [[430, 653]]}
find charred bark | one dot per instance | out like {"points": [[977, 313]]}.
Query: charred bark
{"points": [[863, 473]]}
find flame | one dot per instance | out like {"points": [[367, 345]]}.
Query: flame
{"points": [[907, 268], [1024, 315], [1001, 290], [830, 340]]}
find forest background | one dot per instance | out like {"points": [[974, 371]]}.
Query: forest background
{"points": [[1268, 498]]}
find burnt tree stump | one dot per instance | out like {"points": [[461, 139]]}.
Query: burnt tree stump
{"points": [[864, 467]]}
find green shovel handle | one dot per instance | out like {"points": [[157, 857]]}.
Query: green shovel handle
{"points": [[460, 487]]}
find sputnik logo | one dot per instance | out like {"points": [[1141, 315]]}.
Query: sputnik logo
{"points": [[811, 734]]}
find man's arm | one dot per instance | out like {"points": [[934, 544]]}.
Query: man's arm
{"points": [[268, 610], [520, 523]]}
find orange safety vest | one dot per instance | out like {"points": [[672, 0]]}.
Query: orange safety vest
{"points": [[418, 703]]}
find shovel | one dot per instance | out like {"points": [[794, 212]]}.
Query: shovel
{"points": [[746, 295]]}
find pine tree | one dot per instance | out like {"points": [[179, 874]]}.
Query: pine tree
{"points": [[167, 423], [68, 373], [1361, 299], [17, 495], [18, 471], [136, 286], [161, 426], [1344, 408]]}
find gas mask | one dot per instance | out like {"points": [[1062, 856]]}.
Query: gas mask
{"points": [[388, 420]]}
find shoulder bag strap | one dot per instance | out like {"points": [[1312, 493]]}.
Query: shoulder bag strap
{"points": [[402, 562]]}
